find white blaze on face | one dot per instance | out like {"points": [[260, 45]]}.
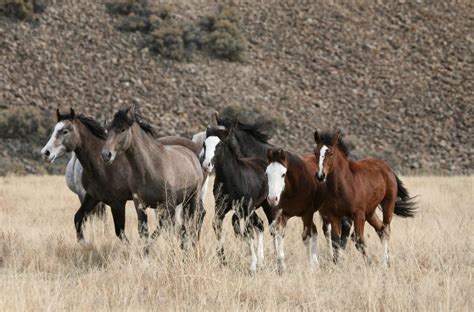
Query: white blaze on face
{"points": [[51, 150], [276, 182], [322, 155], [209, 152]]}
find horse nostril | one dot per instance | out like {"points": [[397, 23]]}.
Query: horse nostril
{"points": [[106, 155], [47, 153]]}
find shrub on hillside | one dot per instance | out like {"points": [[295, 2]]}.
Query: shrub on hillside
{"points": [[168, 42], [22, 9], [226, 41], [134, 23], [23, 122], [127, 7]]}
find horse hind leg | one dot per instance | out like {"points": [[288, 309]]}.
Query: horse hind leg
{"points": [[359, 222], [346, 225]]}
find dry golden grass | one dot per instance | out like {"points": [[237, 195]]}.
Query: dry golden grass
{"points": [[43, 268]]}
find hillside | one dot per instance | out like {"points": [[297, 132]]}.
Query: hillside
{"points": [[396, 78]]}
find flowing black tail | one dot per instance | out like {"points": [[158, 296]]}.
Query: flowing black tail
{"points": [[405, 206]]}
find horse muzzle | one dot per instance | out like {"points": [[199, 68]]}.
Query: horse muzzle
{"points": [[207, 165], [273, 200], [321, 176], [108, 156]]}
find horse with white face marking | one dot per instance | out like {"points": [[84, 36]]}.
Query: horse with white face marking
{"points": [[102, 183], [293, 189], [355, 189]]}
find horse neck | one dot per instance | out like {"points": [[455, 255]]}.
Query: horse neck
{"points": [[250, 146], [143, 151], [227, 158], [88, 151], [341, 174], [296, 175]]}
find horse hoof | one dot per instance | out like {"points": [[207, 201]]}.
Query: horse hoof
{"points": [[83, 242], [281, 268]]}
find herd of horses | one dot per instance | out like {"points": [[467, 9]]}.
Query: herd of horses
{"points": [[126, 160]]}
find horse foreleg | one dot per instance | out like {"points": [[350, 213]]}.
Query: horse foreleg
{"points": [[142, 217], [258, 226], [217, 226], [81, 215], [346, 225], [278, 239], [310, 238], [249, 236], [118, 214], [335, 228]]}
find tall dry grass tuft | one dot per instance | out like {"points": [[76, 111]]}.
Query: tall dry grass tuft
{"points": [[43, 268]]}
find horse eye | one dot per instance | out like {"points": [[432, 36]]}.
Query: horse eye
{"points": [[65, 131], [123, 130], [283, 175]]}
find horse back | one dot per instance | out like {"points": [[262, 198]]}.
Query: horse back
{"points": [[175, 140]]}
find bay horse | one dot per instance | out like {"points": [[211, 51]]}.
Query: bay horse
{"points": [[240, 185], [355, 189], [108, 184], [162, 176]]}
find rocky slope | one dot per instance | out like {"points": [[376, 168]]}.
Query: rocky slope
{"points": [[396, 78]]}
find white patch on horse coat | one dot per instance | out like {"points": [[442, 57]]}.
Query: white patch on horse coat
{"points": [[253, 256], [209, 152], [276, 181], [204, 187], [54, 150], [314, 249], [386, 253], [322, 155], [199, 137], [280, 253], [329, 238], [260, 254]]}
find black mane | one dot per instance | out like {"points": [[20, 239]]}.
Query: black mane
{"points": [[328, 139], [260, 130], [121, 119], [94, 126]]}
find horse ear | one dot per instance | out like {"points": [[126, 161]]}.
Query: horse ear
{"points": [[216, 116], [337, 138], [317, 138], [72, 113], [131, 113], [58, 114], [282, 154], [269, 155]]}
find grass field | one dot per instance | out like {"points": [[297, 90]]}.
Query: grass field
{"points": [[43, 268]]}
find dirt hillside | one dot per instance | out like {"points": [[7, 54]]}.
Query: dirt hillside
{"points": [[396, 78]]}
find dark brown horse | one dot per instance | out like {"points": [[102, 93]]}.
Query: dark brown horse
{"points": [[108, 184], [355, 189], [162, 176], [292, 188]]}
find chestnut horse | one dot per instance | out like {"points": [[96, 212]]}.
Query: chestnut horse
{"points": [[355, 189]]}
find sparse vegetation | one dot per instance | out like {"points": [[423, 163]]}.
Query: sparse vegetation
{"points": [[22, 9], [217, 34], [168, 41], [23, 122], [44, 268]]}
